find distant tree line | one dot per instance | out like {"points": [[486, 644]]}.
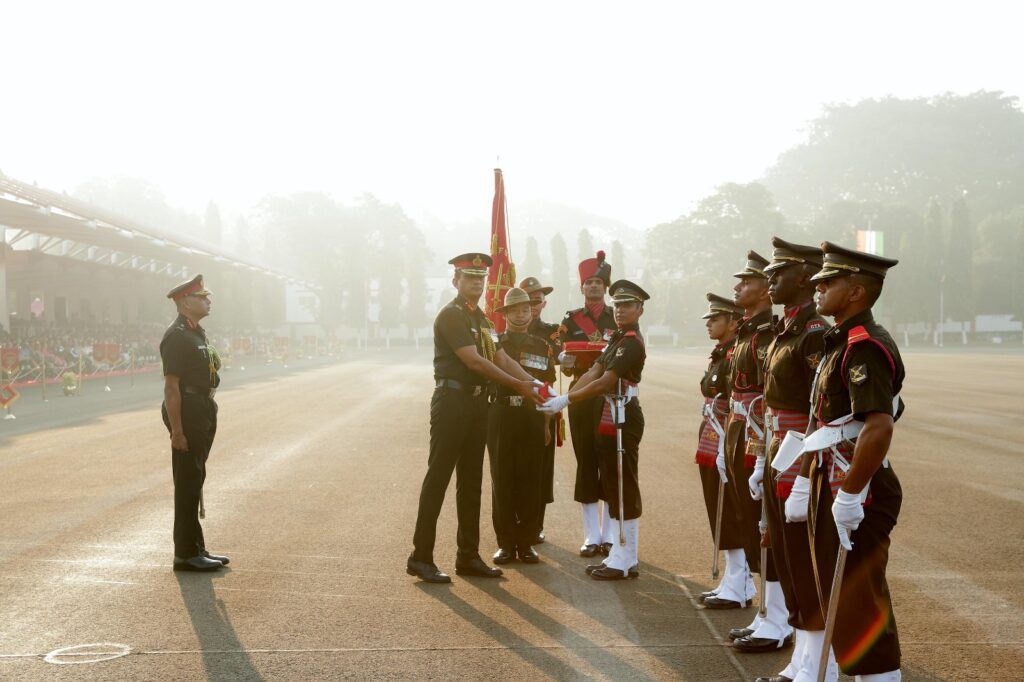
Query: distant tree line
{"points": [[942, 178]]}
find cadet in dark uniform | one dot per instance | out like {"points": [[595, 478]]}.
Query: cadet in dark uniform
{"points": [[722, 322], [745, 443], [617, 372], [854, 495], [792, 359], [549, 333], [467, 355], [594, 322], [189, 412], [517, 438]]}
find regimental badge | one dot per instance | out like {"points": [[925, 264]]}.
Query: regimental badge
{"points": [[478, 261], [762, 354], [813, 360], [619, 352], [858, 374], [596, 336], [533, 361]]}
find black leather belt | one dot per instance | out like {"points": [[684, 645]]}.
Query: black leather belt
{"points": [[512, 400], [472, 390], [195, 390]]}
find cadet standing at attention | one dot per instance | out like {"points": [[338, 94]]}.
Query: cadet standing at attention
{"points": [[722, 322], [793, 357], [190, 366], [745, 443], [853, 494], [549, 334], [616, 373], [517, 438], [594, 323], [467, 356]]}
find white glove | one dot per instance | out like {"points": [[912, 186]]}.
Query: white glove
{"points": [[754, 482], [555, 405], [848, 513], [567, 360], [799, 497], [720, 463]]}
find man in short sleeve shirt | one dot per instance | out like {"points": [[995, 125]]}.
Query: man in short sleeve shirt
{"points": [[189, 412], [467, 358]]}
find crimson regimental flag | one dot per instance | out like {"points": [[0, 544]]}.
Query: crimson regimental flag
{"points": [[502, 274]]}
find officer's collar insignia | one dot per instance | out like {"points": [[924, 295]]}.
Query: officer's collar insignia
{"points": [[813, 360], [858, 374]]}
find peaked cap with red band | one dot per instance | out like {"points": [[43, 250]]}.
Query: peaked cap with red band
{"points": [[193, 287], [596, 267], [841, 262], [472, 263]]}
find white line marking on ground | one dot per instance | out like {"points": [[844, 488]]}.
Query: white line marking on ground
{"points": [[87, 653], [744, 674]]}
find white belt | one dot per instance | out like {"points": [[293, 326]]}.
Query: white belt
{"points": [[737, 407]]}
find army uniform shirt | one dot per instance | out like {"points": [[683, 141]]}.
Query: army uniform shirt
{"points": [[457, 325], [187, 354], [580, 325]]}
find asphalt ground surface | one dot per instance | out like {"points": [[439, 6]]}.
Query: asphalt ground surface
{"points": [[312, 491]]}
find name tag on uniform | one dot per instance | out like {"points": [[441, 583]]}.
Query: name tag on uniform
{"points": [[533, 361]]}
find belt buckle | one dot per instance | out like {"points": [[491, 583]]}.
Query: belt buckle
{"points": [[477, 390], [515, 401]]}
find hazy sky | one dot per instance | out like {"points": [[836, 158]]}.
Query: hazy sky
{"points": [[630, 110]]}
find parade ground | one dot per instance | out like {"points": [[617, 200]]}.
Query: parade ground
{"points": [[312, 491]]}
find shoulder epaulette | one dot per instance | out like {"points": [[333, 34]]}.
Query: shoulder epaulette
{"points": [[764, 327], [859, 335], [816, 326]]}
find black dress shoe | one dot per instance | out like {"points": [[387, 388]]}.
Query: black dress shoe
{"points": [[740, 633], [589, 550], [427, 572], [606, 548], [504, 556], [705, 595], [216, 557], [540, 538], [197, 563], [477, 567], [606, 573], [528, 555], [633, 572], [757, 645], [774, 678], [717, 602]]}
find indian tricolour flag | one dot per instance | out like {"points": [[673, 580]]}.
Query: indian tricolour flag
{"points": [[871, 241]]}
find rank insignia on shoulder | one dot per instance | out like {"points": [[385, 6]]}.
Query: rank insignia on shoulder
{"points": [[858, 374], [813, 360], [764, 327]]}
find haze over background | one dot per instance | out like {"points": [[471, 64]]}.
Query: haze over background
{"points": [[633, 114]]}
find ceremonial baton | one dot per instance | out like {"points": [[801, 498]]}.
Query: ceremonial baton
{"points": [[709, 412], [833, 607], [619, 405], [763, 526]]}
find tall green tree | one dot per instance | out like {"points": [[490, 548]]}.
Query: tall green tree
{"points": [[933, 257], [959, 285], [532, 266], [584, 245], [561, 278]]}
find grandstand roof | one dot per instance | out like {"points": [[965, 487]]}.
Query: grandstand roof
{"points": [[59, 225]]}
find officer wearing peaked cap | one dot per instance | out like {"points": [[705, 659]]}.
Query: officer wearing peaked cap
{"points": [[852, 496], [190, 366], [616, 373], [723, 317], [792, 358], [549, 334], [589, 326], [468, 359]]}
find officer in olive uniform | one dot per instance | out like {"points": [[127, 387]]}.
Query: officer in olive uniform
{"points": [[517, 438], [617, 373], [549, 334], [723, 318], [792, 359], [467, 357], [853, 494], [745, 443], [595, 322], [190, 366]]}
